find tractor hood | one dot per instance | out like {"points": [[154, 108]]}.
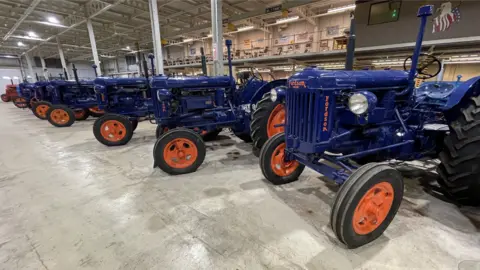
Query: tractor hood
{"points": [[119, 81], [69, 83], [191, 82], [346, 79]]}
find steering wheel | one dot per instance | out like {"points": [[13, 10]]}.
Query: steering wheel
{"points": [[256, 74], [425, 62]]}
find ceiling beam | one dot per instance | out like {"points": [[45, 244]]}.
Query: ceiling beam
{"points": [[27, 12]]}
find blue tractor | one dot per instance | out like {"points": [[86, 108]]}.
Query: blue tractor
{"points": [[347, 124], [125, 101], [41, 100], [70, 101], [188, 107], [25, 93]]}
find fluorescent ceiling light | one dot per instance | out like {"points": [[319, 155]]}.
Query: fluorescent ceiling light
{"points": [[341, 9], [462, 62], [52, 19], [188, 40], [29, 38], [20, 44], [32, 34], [8, 56], [289, 19], [209, 35], [6, 78], [245, 28], [15, 77]]}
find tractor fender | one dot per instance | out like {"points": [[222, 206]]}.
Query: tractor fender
{"points": [[266, 88], [464, 90]]}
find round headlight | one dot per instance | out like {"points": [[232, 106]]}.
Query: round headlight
{"points": [[358, 104], [273, 95]]}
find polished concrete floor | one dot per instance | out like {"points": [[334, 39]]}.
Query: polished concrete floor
{"points": [[68, 202]]}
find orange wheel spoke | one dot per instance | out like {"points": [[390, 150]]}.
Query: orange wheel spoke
{"points": [[113, 130], [278, 164], [180, 153]]}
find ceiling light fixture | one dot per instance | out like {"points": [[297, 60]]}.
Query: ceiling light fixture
{"points": [[20, 44], [341, 9], [245, 28], [32, 34], [288, 19], [188, 40], [53, 20]]}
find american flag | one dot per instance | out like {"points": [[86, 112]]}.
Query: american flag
{"points": [[443, 21]]}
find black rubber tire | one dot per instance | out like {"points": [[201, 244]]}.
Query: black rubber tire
{"points": [[71, 116], [170, 135], [84, 116], [20, 105], [212, 135], [265, 160], [349, 196], [5, 98], [95, 114], [97, 125], [244, 137], [134, 124], [460, 159], [159, 131], [258, 126], [34, 109]]}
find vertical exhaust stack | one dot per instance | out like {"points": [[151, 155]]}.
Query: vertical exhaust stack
{"points": [[228, 43], [75, 74], [145, 68], [95, 70], [423, 13], [151, 56], [66, 74], [36, 76], [351, 44], [204, 61]]}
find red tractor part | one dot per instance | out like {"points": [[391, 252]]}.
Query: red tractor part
{"points": [[10, 93]]}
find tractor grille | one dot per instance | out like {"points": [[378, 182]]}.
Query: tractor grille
{"points": [[304, 112]]}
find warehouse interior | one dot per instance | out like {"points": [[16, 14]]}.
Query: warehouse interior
{"points": [[72, 200]]}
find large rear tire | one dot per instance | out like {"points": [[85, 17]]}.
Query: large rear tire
{"points": [[460, 159], [267, 115]]}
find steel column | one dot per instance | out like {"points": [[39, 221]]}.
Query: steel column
{"points": [[156, 36], [93, 44], [44, 69], [30, 67], [217, 37], [62, 56]]}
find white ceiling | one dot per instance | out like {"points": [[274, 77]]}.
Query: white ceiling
{"points": [[121, 23]]}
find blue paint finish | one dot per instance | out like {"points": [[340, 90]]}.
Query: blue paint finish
{"points": [[130, 97], [75, 95], [394, 127]]}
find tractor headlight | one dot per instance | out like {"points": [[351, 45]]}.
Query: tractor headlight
{"points": [[273, 95], [358, 104]]}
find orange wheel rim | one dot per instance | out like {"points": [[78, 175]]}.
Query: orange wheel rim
{"points": [[373, 208], [277, 117], [96, 110], [79, 114], [180, 153], [113, 130], [22, 101], [59, 116], [278, 164], [41, 110]]}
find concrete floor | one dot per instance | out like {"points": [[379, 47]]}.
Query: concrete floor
{"points": [[68, 202]]}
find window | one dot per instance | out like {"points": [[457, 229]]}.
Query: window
{"points": [[384, 12], [131, 60]]}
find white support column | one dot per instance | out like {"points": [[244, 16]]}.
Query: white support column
{"points": [[316, 38], [30, 67], [157, 43], [217, 37], [44, 69], [117, 67], [93, 44], [62, 57]]}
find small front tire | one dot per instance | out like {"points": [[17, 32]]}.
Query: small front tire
{"points": [[60, 116], [40, 109], [179, 151], [366, 204], [113, 130], [274, 167], [5, 98], [81, 114]]}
